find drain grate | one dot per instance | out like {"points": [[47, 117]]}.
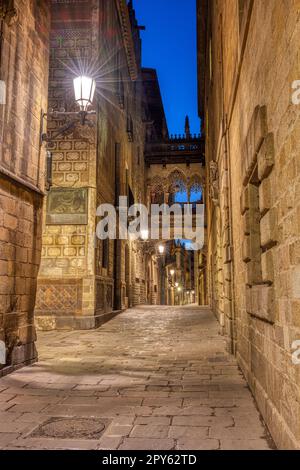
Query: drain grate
{"points": [[72, 428]]}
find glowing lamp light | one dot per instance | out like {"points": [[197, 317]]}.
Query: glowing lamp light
{"points": [[172, 272], [179, 289], [176, 284], [144, 234], [84, 88], [161, 249]]}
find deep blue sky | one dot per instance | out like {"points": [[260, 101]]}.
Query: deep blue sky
{"points": [[169, 45]]}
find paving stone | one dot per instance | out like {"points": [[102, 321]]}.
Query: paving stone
{"points": [[6, 397], [109, 443], [147, 444], [52, 444], [183, 432], [161, 386], [118, 431], [197, 444], [153, 431], [158, 420], [6, 439], [244, 444], [162, 402], [124, 420], [235, 432], [33, 407]]}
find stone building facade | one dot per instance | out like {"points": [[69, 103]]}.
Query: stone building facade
{"points": [[83, 280], [24, 57], [248, 60]]}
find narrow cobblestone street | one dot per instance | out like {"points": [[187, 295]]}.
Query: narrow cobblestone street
{"points": [[152, 378]]}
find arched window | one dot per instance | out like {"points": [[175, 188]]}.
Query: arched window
{"points": [[181, 196], [196, 194], [158, 195], [178, 188]]}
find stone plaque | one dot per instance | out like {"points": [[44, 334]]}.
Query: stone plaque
{"points": [[67, 206]]}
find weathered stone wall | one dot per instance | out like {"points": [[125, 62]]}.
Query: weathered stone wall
{"points": [[24, 69], [252, 131]]}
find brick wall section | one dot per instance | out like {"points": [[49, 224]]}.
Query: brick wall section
{"points": [[255, 58], [24, 68], [20, 250]]}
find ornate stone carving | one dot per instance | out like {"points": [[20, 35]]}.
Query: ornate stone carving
{"points": [[127, 37], [214, 182], [67, 206], [59, 297]]}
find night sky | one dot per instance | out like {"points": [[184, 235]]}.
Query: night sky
{"points": [[169, 45]]}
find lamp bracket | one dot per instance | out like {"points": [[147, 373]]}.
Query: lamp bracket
{"points": [[80, 116]]}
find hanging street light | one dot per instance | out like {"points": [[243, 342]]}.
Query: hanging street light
{"points": [[161, 249], [84, 88], [145, 235]]}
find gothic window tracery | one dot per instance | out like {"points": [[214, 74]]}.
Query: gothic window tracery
{"points": [[176, 188]]}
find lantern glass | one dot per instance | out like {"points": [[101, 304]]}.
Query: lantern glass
{"points": [[161, 249], [84, 88], [144, 234]]}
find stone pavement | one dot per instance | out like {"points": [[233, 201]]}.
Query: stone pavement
{"points": [[154, 378]]}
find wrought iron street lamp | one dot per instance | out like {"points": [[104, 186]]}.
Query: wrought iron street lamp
{"points": [[84, 88]]}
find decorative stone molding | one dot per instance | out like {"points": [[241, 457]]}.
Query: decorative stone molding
{"points": [[214, 182], [176, 178], [127, 38]]}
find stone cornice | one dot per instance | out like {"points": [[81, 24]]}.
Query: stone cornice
{"points": [[127, 38]]}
